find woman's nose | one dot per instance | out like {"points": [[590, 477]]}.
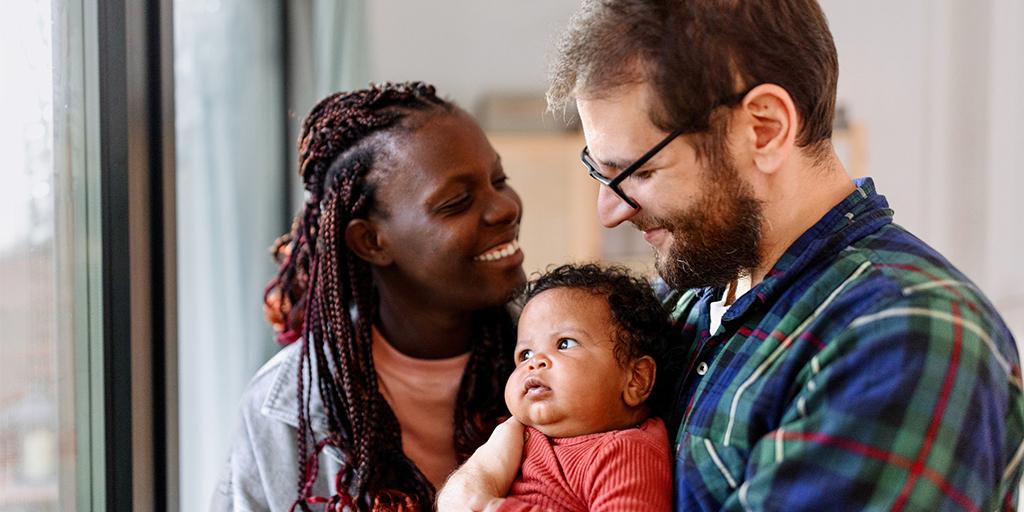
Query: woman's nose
{"points": [[503, 208], [611, 209]]}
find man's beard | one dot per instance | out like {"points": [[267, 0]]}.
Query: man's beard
{"points": [[715, 240]]}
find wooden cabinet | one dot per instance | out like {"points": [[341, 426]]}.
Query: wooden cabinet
{"points": [[559, 220]]}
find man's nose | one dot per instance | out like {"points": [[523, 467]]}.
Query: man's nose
{"points": [[611, 209]]}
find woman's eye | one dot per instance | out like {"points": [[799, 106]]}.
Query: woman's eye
{"points": [[456, 204], [565, 343], [500, 182], [525, 354]]}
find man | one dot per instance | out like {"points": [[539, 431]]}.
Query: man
{"points": [[834, 361]]}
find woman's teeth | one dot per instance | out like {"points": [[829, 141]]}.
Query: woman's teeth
{"points": [[499, 252]]}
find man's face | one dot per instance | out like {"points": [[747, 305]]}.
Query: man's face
{"points": [[701, 217]]}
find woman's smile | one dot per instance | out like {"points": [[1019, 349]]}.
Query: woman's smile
{"points": [[499, 251]]}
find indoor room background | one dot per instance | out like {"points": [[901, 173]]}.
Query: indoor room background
{"points": [[929, 106]]}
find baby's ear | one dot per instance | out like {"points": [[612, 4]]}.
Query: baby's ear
{"points": [[641, 381]]}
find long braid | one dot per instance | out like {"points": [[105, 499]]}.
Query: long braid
{"points": [[476, 410], [319, 284]]}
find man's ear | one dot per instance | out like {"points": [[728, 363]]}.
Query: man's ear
{"points": [[363, 239], [641, 381], [768, 118]]}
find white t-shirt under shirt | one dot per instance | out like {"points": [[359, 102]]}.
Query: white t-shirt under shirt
{"points": [[736, 289]]}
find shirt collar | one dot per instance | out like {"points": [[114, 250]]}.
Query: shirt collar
{"points": [[281, 402], [862, 212]]}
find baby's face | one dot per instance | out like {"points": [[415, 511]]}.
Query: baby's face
{"points": [[567, 381]]}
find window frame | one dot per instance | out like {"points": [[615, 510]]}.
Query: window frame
{"points": [[123, 254]]}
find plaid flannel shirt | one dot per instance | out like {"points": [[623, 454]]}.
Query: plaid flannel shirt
{"points": [[864, 372]]}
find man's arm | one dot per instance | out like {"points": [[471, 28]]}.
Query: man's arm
{"points": [[915, 407], [488, 474]]}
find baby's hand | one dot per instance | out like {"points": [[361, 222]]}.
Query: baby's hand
{"points": [[488, 473]]}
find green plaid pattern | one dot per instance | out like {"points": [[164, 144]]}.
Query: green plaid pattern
{"points": [[865, 372]]}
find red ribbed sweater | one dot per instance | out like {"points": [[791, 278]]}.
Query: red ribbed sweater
{"points": [[620, 470]]}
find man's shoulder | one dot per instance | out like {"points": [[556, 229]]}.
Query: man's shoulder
{"points": [[893, 286], [901, 270]]}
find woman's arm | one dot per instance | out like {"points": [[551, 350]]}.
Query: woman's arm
{"points": [[488, 474]]}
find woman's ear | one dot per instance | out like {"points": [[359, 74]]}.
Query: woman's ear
{"points": [[641, 381], [769, 123], [363, 239]]}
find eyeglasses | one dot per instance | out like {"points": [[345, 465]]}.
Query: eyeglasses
{"points": [[614, 183]]}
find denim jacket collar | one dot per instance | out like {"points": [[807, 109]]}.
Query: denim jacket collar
{"points": [[281, 402]]}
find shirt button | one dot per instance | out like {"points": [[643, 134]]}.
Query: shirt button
{"points": [[702, 368]]}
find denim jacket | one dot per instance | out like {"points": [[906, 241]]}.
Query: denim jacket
{"points": [[262, 470]]}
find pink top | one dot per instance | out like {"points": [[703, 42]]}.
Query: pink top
{"points": [[620, 470], [422, 393]]}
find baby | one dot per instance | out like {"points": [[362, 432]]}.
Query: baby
{"points": [[589, 338]]}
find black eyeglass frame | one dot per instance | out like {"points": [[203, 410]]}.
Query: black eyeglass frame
{"points": [[613, 183]]}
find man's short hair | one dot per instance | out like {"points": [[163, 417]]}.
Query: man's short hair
{"points": [[694, 53]]}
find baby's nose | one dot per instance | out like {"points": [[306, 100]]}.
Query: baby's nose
{"points": [[537, 362]]}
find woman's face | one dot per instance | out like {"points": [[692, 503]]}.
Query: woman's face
{"points": [[447, 217]]}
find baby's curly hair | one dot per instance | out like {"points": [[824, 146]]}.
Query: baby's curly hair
{"points": [[642, 323]]}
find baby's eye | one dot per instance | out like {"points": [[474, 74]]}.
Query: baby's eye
{"points": [[566, 343], [524, 355]]}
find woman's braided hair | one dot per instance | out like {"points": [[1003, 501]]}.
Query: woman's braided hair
{"points": [[324, 296]]}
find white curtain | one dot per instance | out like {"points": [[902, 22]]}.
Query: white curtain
{"points": [[235, 155], [327, 53], [230, 159]]}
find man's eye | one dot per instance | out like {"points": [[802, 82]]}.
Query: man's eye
{"points": [[524, 355], [566, 343], [643, 175], [500, 182]]}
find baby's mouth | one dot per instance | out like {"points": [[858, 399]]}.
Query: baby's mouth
{"points": [[535, 388]]}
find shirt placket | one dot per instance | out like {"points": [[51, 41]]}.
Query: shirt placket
{"points": [[699, 366]]}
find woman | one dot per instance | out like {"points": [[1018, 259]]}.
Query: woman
{"points": [[393, 286]]}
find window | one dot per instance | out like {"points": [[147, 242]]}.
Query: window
{"points": [[37, 405]]}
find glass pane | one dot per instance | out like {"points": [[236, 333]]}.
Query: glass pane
{"points": [[37, 444]]}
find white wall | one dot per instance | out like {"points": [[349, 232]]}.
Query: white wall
{"points": [[882, 79], [465, 47], [1005, 185]]}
